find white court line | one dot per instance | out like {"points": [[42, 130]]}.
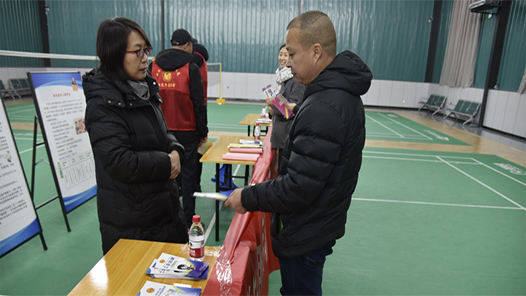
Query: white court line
{"points": [[211, 225], [411, 129], [20, 109], [30, 149], [435, 203], [416, 154], [415, 159], [481, 183], [26, 139], [227, 126], [401, 136], [500, 172], [212, 222], [373, 137], [389, 135]]}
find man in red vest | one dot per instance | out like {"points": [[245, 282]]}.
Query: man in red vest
{"points": [[201, 57], [184, 107]]}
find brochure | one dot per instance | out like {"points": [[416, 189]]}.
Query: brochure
{"points": [[278, 100], [158, 289], [221, 196], [257, 143], [170, 266]]}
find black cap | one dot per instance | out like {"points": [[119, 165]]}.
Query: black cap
{"points": [[181, 37]]}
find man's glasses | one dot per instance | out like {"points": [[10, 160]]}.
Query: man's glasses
{"points": [[140, 52]]}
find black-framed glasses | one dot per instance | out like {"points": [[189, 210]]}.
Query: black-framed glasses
{"points": [[140, 52]]}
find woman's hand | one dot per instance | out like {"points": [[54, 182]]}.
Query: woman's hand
{"points": [[269, 101], [176, 164]]}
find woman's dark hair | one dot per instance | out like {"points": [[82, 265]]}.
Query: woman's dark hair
{"points": [[282, 45], [112, 41]]}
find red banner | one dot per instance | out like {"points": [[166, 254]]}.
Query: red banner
{"points": [[246, 259]]}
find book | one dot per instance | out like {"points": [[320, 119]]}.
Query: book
{"points": [[170, 266], [221, 196], [157, 289], [246, 150], [241, 156], [235, 145]]}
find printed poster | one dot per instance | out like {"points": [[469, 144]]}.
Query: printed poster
{"points": [[18, 218], [60, 103]]}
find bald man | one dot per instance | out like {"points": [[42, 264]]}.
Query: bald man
{"points": [[321, 158]]}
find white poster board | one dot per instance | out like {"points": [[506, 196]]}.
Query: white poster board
{"points": [[60, 104], [18, 217]]}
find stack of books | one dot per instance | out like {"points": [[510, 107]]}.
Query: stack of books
{"points": [[173, 267], [158, 289], [244, 150]]}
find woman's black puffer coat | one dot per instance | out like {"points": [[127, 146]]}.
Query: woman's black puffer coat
{"points": [[130, 142]]}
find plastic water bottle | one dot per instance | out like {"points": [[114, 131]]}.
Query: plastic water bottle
{"points": [[257, 131], [197, 239], [264, 112]]}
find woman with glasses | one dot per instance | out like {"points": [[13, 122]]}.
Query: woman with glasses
{"points": [[136, 158]]}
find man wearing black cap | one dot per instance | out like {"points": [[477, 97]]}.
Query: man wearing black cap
{"points": [[184, 107]]}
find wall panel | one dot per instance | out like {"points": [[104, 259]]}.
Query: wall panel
{"points": [[514, 53], [392, 37], [20, 31]]}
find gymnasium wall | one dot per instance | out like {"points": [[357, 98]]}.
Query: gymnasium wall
{"points": [[244, 35]]}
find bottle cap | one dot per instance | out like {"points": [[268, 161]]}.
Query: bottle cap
{"points": [[196, 219]]}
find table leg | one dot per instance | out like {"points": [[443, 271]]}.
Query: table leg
{"points": [[248, 127], [218, 176], [247, 168]]}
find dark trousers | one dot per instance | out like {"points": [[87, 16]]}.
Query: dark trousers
{"points": [[302, 275], [199, 172], [187, 179]]}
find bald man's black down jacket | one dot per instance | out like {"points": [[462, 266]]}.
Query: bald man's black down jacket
{"points": [[321, 160]]}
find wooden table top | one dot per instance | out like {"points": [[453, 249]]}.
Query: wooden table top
{"points": [[251, 118], [220, 147], [122, 271]]}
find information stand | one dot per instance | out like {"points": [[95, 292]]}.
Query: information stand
{"points": [[18, 217], [34, 164], [60, 105]]}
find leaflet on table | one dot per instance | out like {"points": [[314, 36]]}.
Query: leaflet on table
{"points": [[264, 120], [158, 289], [256, 143], [170, 266]]}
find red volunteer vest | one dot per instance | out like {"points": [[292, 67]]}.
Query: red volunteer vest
{"points": [[204, 74], [178, 108]]}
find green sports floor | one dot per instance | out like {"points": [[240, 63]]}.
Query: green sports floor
{"points": [[421, 222]]}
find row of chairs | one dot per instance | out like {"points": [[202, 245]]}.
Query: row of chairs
{"points": [[463, 108], [19, 86]]}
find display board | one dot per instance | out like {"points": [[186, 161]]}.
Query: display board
{"points": [[60, 105], [18, 218]]}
